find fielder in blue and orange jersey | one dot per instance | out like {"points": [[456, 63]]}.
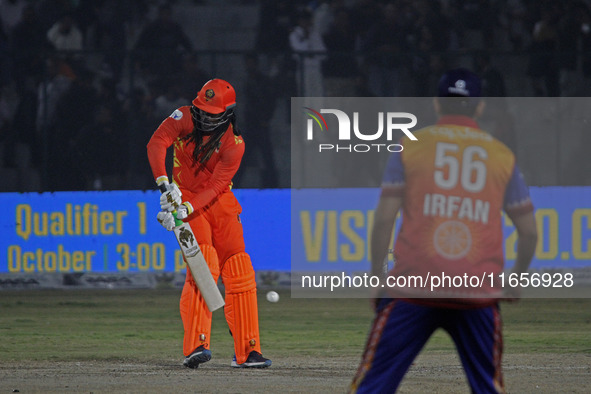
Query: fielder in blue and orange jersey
{"points": [[451, 186]]}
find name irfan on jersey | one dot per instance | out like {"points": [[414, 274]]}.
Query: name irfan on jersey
{"points": [[474, 210]]}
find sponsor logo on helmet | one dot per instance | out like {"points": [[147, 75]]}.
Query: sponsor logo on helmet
{"points": [[209, 94], [176, 115], [460, 88]]}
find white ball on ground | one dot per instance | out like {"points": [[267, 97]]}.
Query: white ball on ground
{"points": [[272, 296]]}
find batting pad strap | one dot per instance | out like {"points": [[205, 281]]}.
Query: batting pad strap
{"points": [[238, 274]]}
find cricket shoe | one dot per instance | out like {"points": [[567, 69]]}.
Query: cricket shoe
{"points": [[254, 360], [199, 355]]}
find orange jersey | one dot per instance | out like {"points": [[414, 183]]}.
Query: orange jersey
{"points": [[200, 184], [454, 181]]}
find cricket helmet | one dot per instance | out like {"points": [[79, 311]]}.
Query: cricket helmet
{"points": [[214, 105]]}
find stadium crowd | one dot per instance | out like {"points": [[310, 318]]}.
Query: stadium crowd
{"points": [[84, 83]]}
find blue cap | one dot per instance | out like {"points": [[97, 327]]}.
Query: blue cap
{"points": [[459, 82]]}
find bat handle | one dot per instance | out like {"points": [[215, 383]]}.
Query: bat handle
{"points": [[177, 222]]}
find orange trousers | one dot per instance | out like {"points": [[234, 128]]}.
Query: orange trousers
{"points": [[219, 233]]}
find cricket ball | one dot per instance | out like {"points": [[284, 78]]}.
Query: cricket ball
{"points": [[272, 296]]}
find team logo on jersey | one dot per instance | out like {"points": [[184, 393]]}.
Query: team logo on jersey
{"points": [[209, 94], [176, 115], [452, 239]]}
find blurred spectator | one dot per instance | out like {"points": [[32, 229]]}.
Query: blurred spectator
{"points": [[101, 149], [275, 21], [308, 47], [384, 51], [543, 62], [160, 45], [258, 112], [5, 59], [170, 99], [140, 124], [5, 111], [75, 109], [29, 45], [85, 16], [78, 101], [64, 35], [493, 83], [50, 11], [570, 30], [362, 86], [60, 76], [276, 18], [324, 14], [192, 75], [10, 14], [586, 49], [364, 15], [340, 66], [515, 14], [25, 125], [431, 24], [7, 132], [475, 16], [421, 61], [111, 35], [107, 95]]}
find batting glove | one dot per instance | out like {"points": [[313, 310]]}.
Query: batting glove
{"points": [[171, 199], [184, 210], [166, 219]]}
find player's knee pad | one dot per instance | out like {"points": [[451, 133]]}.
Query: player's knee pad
{"points": [[238, 277], [238, 274]]}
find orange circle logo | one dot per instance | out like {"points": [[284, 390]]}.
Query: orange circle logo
{"points": [[452, 240]]}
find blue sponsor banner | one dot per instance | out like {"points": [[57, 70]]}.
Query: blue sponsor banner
{"points": [[331, 227], [118, 232]]}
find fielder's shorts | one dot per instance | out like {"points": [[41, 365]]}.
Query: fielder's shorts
{"points": [[401, 329]]}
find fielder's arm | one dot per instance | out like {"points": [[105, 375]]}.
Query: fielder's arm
{"points": [[527, 239], [382, 232]]}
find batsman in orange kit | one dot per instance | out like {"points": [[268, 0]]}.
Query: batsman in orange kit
{"points": [[208, 149]]}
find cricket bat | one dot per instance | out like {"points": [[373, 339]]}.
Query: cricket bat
{"points": [[196, 263]]}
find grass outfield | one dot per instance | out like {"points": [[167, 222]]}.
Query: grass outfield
{"points": [[143, 327]]}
